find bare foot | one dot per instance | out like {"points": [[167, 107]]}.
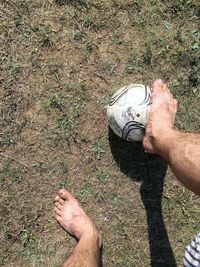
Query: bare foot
{"points": [[72, 217], [161, 117]]}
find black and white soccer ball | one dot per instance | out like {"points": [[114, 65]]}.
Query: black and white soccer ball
{"points": [[128, 111]]}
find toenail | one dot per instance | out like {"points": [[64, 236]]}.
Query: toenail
{"points": [[160, 81]]}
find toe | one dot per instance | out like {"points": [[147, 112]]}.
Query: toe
{"points": [[57, 205], [157, 85], [65, 195], [56, 198], [61, 201], [57, 211]]}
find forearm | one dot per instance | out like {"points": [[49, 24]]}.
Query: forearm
{"points": [[182, 152]]}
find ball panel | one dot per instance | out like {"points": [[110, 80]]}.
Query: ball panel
{"points": [[118, 95], [136, 136], [128, 111], [114, 125], [133, 131]]}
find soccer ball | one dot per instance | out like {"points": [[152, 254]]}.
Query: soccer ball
{"points": [[128, 111]]}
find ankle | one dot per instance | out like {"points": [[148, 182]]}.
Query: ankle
{"points": [[93, 238]]}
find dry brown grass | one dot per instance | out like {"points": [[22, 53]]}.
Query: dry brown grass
{"points": [[60, 61]]}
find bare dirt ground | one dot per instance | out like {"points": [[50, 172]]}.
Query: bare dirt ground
{"points": [[60, 62]]}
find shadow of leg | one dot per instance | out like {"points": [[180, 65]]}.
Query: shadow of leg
{"points": [[150, 170], [151, 195]]}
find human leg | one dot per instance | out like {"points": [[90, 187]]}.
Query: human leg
{"points": [[180, 150], [75, 221]]}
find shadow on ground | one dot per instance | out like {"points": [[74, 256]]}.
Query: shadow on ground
{"points": [[150, 170]]}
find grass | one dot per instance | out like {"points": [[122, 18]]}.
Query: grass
{"points": [[60, 63], [98, 150]]}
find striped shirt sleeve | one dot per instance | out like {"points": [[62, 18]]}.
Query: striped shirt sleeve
{"points": [[192, 253]]}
